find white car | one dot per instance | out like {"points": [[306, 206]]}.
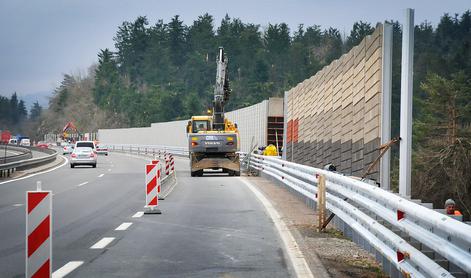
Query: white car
{"points": [[25, 142], [67, 149], [83, 156], [101, 149]]}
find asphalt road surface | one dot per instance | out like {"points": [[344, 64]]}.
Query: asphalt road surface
{"points": [[210, 227]]}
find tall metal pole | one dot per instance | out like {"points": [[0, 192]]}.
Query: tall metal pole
{"points": [[285, 125], [405, 154], [386, 104]]}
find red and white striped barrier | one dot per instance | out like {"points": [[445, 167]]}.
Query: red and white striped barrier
{"points": [[167, 165], [152, 199], [172, 164], [38, 233], [157, 162]]}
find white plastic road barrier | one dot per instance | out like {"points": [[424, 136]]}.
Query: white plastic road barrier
{"points": [[38, 233], [152, 200]]}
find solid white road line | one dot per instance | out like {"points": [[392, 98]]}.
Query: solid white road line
{"points": [[66, 269], [101, 175], [83, 183], [102, 243], [294, 253], [35, 174], [138, 214], [124, 226]]}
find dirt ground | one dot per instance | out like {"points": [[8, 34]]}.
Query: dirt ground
{"points": [[327, 253]]}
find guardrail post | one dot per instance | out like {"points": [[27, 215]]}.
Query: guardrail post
{"points": [[321, 207]]}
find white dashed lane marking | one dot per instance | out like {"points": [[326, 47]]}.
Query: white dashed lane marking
{"points": [[17, 205], [83, 183], [66, 269], [138, 214], [124, 226], [102, 243], [101, 175]]}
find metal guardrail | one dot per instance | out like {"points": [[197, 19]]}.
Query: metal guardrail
{"points": [[7, 168], [380, 217], [364, 207], [24, 153], [149, 149]]}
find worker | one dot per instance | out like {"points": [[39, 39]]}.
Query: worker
{"points": [[270, 150], [450, 208]]}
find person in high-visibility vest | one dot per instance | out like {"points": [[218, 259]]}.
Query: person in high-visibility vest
{"points": [[270, 150], [450, 208]]}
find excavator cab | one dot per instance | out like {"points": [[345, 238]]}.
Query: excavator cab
{"points": [[198, 124]]}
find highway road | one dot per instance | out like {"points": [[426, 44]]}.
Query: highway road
{"points": [[210, 227]]}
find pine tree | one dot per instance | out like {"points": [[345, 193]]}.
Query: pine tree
{"points": [[35, 111]]}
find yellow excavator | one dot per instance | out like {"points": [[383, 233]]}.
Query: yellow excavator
{"points": [[213, 140]]}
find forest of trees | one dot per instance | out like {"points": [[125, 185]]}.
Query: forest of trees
{"points": [[14, 114], [166, 71]]}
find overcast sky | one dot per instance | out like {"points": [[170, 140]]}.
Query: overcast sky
{"points": [[41, 40]]}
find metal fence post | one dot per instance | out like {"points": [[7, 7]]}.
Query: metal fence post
{"points": [[321, 206], [386, 103], [405, 152]]}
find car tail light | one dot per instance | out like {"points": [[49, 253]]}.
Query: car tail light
{"points": [[73, 155], [194, 144], [92, 155], [230, 143]]}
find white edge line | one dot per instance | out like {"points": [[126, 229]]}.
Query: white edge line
{"points": [[124, 226], [66, 269], [102, 243], [39, 173], [138, 214], [295, 255]]}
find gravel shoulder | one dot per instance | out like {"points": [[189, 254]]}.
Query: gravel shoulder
{"points": [[329, 254]]}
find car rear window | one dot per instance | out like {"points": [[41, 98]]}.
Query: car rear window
{"points": [[85, 144]]}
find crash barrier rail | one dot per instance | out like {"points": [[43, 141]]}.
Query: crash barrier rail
{"points": [[24, 153], [149, 149], [8, 168], [383, 219]]}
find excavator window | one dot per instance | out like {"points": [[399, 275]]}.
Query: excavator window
{"points": [[200, 126]]}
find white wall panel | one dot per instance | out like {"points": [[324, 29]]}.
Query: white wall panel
{"points": [[252, 123]]}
